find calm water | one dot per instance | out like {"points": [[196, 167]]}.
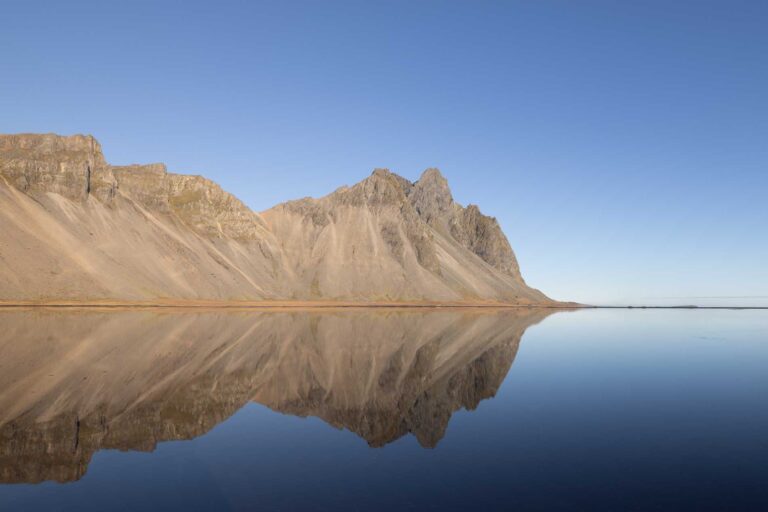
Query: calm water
{"points": [[384, 410]]}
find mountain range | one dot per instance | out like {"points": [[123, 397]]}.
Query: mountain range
{"points": [[74, 228]]}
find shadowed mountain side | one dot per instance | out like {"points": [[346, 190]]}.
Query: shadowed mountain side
{"points": [[77, 382], [74, 228]]}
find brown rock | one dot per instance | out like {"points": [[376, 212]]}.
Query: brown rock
{"points": [[74, 227]]}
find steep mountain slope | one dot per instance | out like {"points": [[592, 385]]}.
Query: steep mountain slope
{"points": [[387, 238], [73, 227]]}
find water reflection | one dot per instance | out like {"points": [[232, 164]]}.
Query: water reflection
{"points": [[75, 382]]}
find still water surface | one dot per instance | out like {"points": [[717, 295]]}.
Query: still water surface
{"points": [[384, 410]]}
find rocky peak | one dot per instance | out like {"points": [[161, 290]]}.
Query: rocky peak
{"points": [[40, 163], [158, 169], [483, 236], [148, 184], [197, 201], [48, 145], [432, 197], [74, 167], [209, 209], [432, 174], [381, 188], [381, 172]]}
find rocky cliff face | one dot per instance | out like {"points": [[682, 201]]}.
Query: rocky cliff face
{"points": [[391, 239], [468, 227], [73, 227], [94, 380], [200, 203], [72, 167]]}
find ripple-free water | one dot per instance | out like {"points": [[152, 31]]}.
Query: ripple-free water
{"points": [[384, 410]]}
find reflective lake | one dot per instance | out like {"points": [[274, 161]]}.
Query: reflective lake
{"points": [[383, 409]]}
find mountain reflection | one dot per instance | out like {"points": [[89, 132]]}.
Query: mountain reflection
{"points": [[74, 382]]}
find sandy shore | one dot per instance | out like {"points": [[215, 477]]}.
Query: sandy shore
{"points": [[278, 304], [325, 304]]}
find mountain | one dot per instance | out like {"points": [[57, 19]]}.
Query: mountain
{"points": [[389, 239], [74, 228], [104, 380]]}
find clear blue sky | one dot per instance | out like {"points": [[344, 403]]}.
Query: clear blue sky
{"points": [[623, 146]]}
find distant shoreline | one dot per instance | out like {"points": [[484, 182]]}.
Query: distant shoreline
{"points": [[676, 307]]}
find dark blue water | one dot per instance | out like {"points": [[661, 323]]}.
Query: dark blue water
{"points": [[599, 410]]}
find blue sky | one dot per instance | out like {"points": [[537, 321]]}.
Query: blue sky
{"points": [[623, 146]]}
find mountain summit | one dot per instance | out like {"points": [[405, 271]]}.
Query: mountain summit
{"points": [[74, 228]]}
